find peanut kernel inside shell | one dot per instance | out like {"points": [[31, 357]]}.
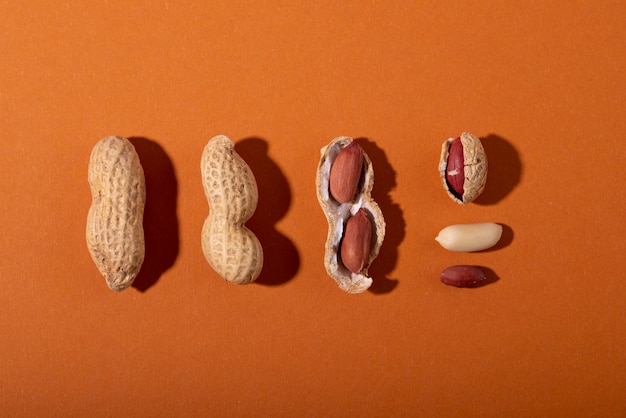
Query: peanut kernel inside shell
{"points": [[455, 169], [345, 173], [356, 242]]}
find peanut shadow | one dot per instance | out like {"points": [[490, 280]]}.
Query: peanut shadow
{"points": [[160, 221], [490, 278], [505, 240], [281, 259], [504, 172], [491, 275], [384, 183]]}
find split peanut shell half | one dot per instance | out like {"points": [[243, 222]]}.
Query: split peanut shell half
{"points": [[463, 168]]}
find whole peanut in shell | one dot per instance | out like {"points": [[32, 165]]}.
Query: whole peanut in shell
{"points": [[115, 237], [231, 249]]}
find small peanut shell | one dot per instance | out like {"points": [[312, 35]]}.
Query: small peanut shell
{"points": [[474, 167], [115, 236], [337, 214], [231, 249]]}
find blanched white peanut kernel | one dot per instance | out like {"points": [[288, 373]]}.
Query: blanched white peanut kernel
{"points": [[469, 237]]}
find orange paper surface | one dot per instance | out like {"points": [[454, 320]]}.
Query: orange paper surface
{"points": [[542, 83]]}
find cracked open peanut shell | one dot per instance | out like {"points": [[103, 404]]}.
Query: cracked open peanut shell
{"points": [[463, 168], [339, 214]]}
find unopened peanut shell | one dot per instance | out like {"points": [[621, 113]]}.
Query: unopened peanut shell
{"points": [[115, 237], [231, 249]]}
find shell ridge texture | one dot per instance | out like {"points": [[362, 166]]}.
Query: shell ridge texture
{"points": [[231, 249], [115, 219]]}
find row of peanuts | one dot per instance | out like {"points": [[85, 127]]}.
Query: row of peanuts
{"points": [[344, 182]]}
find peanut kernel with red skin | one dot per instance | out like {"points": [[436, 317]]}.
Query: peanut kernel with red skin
{"points": [[356, 243], [462, 276], [345, 173], [455, 170]]}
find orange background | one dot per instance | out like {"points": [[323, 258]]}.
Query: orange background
{"points": [[541, 82]]}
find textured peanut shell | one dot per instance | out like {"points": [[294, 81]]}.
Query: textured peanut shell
{"points": [[115, 237], [231, 249], [475, 167], [337, 215]]}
